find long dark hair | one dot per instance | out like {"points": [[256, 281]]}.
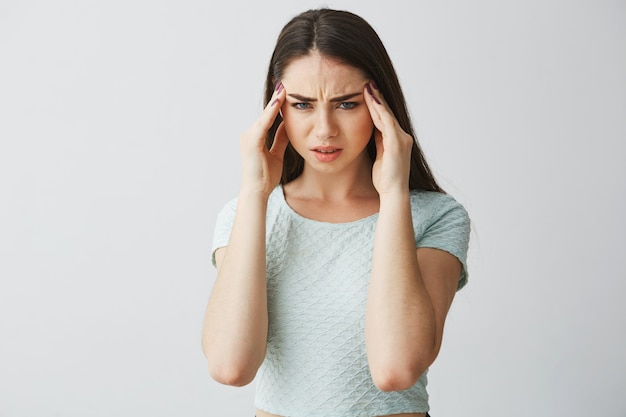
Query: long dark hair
{"points": [[349, 39]]}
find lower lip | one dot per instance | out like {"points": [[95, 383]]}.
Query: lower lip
{"points": [[326, 157]]}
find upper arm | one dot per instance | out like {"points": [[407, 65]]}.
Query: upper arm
{"points": [[221, 234], [446, 227], [440, 272]]}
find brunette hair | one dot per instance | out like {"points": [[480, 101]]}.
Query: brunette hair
{"points": [[349, 39]]}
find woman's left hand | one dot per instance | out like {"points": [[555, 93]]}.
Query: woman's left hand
{"points": [[390, 172]]}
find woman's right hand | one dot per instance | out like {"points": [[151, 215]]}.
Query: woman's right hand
{"points": [[263, 168]]}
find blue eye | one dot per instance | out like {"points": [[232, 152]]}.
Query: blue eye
{"points": [[301, 106], [348, 105]]}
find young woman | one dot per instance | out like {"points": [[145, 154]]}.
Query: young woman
{"points": [[339, 259]]}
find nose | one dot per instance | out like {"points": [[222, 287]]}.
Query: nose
{"points": [[325, 126]]}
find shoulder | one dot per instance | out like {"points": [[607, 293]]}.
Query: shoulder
{"points": [[432, 205], [230, 207], [441, 222], [276, 198]]}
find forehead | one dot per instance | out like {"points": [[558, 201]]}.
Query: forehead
{"points": [[317, 71]]}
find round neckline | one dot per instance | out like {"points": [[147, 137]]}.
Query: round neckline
{"points": [[295, 214]]}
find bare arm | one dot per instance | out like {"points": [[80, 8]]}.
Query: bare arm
{"points": [[409, 296], [235, 325], [410, 290]]}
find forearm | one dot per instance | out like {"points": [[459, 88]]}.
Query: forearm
{"points": [[235, 327], [400, 323]]}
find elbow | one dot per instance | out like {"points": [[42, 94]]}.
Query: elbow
{"points": [[231, 374], [228, 369], [398, 377], [229, 366], [394, 381]]}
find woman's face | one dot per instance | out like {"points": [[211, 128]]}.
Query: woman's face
{"points": [[325, 114]]}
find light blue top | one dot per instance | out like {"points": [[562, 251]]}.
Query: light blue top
{"points": [[317, 279]]}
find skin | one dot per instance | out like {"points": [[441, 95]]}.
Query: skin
{"points": [[410, 289]]}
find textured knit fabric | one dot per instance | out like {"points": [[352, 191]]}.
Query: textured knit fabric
{"points": [[317, 279]]}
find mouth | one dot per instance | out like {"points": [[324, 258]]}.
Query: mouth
{"points": [[326, 153], [326, 149]]}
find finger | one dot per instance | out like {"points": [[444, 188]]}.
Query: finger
{"points": [[379, 107], [372, 106], [378, 141], [280, 141], [273, 107]]}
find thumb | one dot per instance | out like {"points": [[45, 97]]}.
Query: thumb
{"points": [[280, 141], [378, 140]]}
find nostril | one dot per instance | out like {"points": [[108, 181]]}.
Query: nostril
{"points": [[325, 128]]}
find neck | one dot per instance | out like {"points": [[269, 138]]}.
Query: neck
{"points": [[354, 183]]}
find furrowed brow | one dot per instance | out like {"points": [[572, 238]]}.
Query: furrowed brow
{"points": [[344, 98], [301, 98], [333, 100]]}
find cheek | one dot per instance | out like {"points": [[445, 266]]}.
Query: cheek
{"points": [[293, 129], [295, 126], [362, 126]]}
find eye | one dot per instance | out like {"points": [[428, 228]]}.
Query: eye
{"points": [[348, 105], [301, 106]]}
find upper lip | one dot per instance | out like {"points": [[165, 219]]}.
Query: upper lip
{"points": [[326, 148]]}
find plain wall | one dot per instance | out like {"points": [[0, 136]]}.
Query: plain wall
{"points": [[119, 126]]}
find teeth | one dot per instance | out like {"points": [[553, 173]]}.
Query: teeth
{"points": [[322, 151]]}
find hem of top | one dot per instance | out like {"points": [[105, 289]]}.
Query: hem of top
{"points": [[390, 413]]}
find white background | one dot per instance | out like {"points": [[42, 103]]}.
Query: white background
{"points": [[119, 125]]}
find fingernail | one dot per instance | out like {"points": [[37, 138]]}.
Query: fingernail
{"points": [[279, 87], [374, 84], [369, 90], [274, 102]]}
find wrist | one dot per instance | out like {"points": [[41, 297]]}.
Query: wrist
{"points": [[398, 194], [394, 202], [254, 194]]}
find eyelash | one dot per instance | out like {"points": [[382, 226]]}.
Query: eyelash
{"points": [[350, 105], [346, 105]]}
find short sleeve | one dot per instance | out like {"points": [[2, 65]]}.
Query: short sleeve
{"points": [[447, 229], [223, 226]]}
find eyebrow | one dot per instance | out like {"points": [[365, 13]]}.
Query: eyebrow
{"points": [[333, 100]]}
